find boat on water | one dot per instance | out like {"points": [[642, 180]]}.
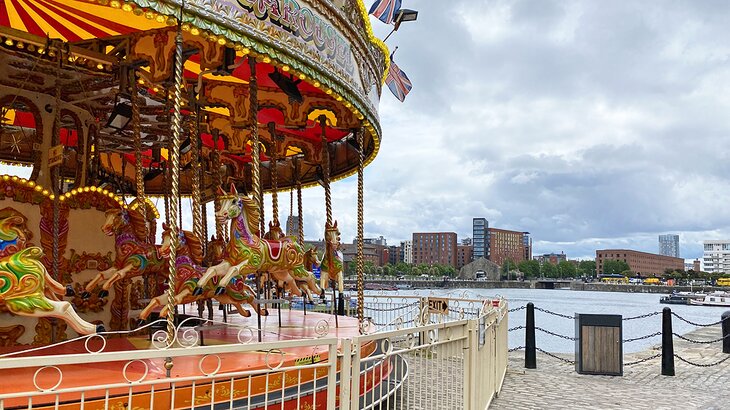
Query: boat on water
{"points": [[713, 299], [681, 298]]}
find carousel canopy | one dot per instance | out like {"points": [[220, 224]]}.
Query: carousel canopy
{"points": [[318, 72]]}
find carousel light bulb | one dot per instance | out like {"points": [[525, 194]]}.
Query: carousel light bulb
{"points": [[115, 3], [155, 89], [41, 50], [9, 42], [52, 197], [14, 178], [267, 60], [100, 66], [127, 7], [302, 76], [5, 177], [194, 31], [329, 92], [30, 183], [20, 45], [45, 192], [150, 15], [246, 50], [339, 98], [185, 27], [93, 189], [285, 68], [317, 84], [222, 41], [140, 81], [161, 18], [86, 189], [38, 188]]}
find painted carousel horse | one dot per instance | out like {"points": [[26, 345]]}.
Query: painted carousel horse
{"points": [[23, 287], [247, 253], [187, 263], [134, 257], [14, 237], [331, 266]]}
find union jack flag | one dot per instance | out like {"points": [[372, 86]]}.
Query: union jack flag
{"points": [[385, 10], [398, 82]]}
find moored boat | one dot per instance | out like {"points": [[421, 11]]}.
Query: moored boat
{"points": [[681, 298], [713, 299]]}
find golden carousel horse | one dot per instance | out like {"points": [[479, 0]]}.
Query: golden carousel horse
{"points": [[189, 256], [331, 266], [26, 288], [134, 256], [247, 253]]}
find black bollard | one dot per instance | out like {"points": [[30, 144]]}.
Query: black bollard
{"points": [[726, 332], [341, 304], [667, 343], [530, 350]]}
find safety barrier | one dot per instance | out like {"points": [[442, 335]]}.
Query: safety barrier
{"points": [[433, 353], [667, 353]]}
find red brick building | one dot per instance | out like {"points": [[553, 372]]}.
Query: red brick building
{"points": [[464, 255], [639, 262], [435, 247], [509, 245]]}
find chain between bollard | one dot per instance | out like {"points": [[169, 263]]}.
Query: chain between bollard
{"points": [[514, 349], [562, 359], [646, 359], [721, 361], [391, 309], [555, 313], [555, 334], [703, 342], [697, 324], [642, 337], [515, 328], [517, 309], [642, 316]]}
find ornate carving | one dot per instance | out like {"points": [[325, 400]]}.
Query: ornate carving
{"points": [[93, 304], [49, 331], [9, 335]]}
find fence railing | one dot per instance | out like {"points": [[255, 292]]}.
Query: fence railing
{"points": [[417, 353]]}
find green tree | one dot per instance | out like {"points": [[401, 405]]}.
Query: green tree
{"points": [[567, 269], [549, 270], [531, 269], [587, 268], [613, 267], [508, 265]]}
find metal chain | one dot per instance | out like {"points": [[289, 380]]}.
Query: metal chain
{"points": [[515, 328], [701, 341], [642, 337], [392, 309], [514, 349], [697, 324], [555, 334], [299, 211], [517, 309], [175, 188], [360, 226], [554, 313], [646, 359], [721, 361], [193, 134], [274, 189], [642, 316], [555, 356], [139, 175]]}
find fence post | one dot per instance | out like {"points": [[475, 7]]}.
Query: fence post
{"points": [[345, 375], [530, 350], [667, 343], [726, 332]]}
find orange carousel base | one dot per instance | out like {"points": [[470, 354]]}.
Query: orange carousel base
{"points": [[299, 388]]}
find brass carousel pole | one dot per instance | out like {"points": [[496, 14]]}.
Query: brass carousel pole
{"points": [[218, 181], [328, 201], [175, 179], [360, 227], [274, 172], [195, 158], [56, 173], [139, 175], [256, 164]]}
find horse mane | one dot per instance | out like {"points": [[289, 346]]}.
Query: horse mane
{"points": [[138, 224], [252, 214], [195, 247]]}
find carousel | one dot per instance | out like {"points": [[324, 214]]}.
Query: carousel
{"points": [[118, 107]]}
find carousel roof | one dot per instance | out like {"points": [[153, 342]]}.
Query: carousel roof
{"points": [[337, 78]]}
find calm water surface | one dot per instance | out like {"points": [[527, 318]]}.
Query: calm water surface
{"points": [[569, 302]]}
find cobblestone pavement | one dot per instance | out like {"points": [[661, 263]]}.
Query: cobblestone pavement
{"points": [[556, 385]]}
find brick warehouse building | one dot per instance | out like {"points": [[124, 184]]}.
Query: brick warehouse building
{"points": [[504, 244], [435, 247], [640, 262]]}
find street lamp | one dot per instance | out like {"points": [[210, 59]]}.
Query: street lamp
{"points": [[400, 17]]}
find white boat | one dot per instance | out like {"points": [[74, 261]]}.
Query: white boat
{"points": [[713, 299]]}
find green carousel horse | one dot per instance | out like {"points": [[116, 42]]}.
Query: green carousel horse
{"points": [[26, 288], [331, 265], [247, 253]]}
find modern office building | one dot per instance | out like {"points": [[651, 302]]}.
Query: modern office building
{"points": [[479, 238], [406, 249], [643, 263], [434, 247], [669, 245], [716, 256], [506, 245], [394, 254], [463, 255]]}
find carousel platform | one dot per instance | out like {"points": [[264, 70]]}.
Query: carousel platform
{"points": [[258, 389]]}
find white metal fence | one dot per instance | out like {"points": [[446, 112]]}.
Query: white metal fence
{"points": [[432, 353]]}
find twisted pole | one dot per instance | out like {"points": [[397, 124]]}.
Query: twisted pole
{"points": [[195, 159], [326, 170], [274, 174], [139, 175], [255, 153], [175, 180], [56, 173], [218, 181], [360, 227]]}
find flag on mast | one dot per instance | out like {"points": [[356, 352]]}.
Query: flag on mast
{"points": [[398, 81], [385, 10]]}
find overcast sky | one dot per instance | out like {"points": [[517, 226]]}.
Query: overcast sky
{"points": [[590, 124]]}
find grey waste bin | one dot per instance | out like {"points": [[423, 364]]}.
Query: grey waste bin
{"points": [[598, 346]]}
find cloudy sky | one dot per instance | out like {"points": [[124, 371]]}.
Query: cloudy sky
{"points": [[590, 124]]}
